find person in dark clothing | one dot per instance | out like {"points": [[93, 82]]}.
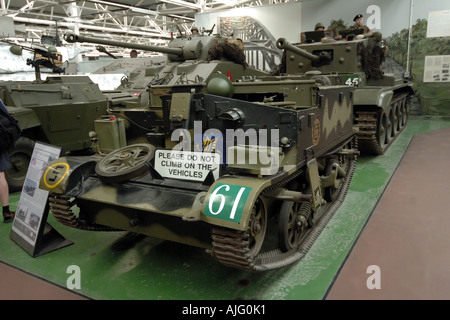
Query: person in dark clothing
{"points": [[8, 215], [359, 24]]}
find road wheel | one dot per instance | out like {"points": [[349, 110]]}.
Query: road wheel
{"points": [[292, 224], [383, 130], [257, 227], [125, 163]]}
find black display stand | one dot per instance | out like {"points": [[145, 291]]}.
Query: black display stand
{"points": [[47, 239], [30, 229]]}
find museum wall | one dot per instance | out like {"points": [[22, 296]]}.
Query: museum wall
{"points": [[396, 20]]}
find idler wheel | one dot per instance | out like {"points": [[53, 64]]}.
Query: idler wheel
{"points": [[393, 120], [125, 163], [404, 113], [389, 127], [398, 116]]}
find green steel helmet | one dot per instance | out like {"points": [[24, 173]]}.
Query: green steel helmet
{"points": [[52, 49], [319, 25]]}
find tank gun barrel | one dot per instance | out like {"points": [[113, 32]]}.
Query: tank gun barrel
{"points": [[72, 38], [285, 45]]}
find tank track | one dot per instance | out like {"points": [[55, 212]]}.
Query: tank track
{"points": [[60, 206], [368, 123], [231, 247]]}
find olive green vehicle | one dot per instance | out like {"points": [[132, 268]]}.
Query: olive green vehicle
{"points": [[59, 110], [381, 101], [250, 170], [191, 63], [138, 76]]}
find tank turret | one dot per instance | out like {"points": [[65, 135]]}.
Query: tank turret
{"points": [[316, 60], [381, 99], [327, 57], [193, 62], [179, 49]]}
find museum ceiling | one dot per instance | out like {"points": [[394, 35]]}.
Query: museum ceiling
{"points": [[139, 21]]}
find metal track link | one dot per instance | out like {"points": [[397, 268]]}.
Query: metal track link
{"points": [[367, 123], [61, 208]]}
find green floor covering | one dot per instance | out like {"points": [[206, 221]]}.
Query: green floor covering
{"points": [[154, 269]]}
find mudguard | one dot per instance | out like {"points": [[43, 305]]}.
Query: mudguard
{"points": [[229, 201], [66, 174], [373, 96]]}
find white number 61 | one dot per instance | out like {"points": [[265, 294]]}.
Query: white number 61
{"points": [[222, 200]]}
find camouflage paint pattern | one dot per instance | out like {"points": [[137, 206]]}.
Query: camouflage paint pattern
{"points": [[325, 123]]}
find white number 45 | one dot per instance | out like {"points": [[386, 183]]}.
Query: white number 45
{"points": [[352, 81]]}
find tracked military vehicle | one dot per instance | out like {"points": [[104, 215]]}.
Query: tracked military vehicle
{"points": [[381, 101], [191, 63], [251, 170], [59, 110], [137, 78], [190, 60]]}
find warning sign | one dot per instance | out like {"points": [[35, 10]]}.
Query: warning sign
{"points": [[186, 165]]}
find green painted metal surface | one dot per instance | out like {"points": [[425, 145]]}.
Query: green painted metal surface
{"points": [[113, 268]]}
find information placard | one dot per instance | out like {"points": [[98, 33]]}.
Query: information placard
{"points": [[438, 24], [186, 165], [437, 69], [30, 229]]}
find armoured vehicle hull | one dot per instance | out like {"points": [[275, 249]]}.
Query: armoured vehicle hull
{"points": [[381, 102], [60, 110], [274, 159], [140, 72], [139, 123]]}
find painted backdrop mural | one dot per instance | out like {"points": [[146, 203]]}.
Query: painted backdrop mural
{"points": [[434, 97]]}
